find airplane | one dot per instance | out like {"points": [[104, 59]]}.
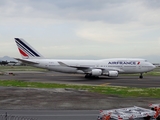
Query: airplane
{"points": [[9, 61], [91, 68], [2, 62]]}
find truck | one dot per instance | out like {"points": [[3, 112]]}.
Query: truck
{"points": [[131, 113]]}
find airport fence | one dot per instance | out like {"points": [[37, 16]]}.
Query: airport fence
{"points": [[13, 117]]}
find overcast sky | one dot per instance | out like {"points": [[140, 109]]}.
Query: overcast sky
{"points": [[82, 28]]}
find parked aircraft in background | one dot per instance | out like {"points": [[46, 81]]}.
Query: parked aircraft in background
{"points": [[105, 67], [3, 62], [9, 61]]}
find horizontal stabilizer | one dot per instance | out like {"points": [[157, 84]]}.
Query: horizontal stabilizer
{"points": [[26, 61]]}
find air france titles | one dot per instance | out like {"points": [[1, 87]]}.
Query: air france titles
{"points": [[122, 63]]}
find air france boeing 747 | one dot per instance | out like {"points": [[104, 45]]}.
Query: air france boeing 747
{"points": [[91, 68]]}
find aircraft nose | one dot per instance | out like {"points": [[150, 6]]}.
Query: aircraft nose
{"points": [[153, 66]]}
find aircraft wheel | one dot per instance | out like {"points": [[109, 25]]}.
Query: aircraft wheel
{"points": [[86, 76], [141, 76]]}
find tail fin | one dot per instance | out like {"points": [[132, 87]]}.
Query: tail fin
{"points": [[26, 50]]}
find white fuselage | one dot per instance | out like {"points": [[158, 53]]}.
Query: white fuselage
{"points": [[122, 65], [91, 68]]}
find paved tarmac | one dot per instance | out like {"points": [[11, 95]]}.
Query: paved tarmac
{"points": [[53, 114], [55, 77]]}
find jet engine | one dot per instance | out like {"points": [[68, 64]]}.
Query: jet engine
{"points": [[112, 73], [96, 72]]}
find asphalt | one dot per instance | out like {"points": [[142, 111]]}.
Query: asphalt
{"points": [[53, 114], [59, 104], [55, 77]]}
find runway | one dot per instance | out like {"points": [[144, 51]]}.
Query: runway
{"points": [[54, 114], [55, 77]]}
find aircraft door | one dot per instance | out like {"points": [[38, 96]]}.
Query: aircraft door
{"points": [[139, 66]]}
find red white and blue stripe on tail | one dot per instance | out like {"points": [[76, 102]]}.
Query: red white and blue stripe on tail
{"points": [[26, 50]]}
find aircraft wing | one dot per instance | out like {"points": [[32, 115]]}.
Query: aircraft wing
{"points": [[88, 69], [78, 67], [26, 61]]}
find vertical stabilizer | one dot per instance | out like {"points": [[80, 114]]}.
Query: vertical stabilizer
{"points": [[26, 50]]}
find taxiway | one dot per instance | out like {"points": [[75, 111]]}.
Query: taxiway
{"points": [[53, 114], [55, 77]]}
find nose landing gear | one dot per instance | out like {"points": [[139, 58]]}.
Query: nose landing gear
{"points": [[141, 76]]}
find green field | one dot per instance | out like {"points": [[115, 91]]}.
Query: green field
{"points": [[108, 90]]}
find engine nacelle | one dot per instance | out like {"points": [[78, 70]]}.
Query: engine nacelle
{"points": [[96, 72], [112, 73]]}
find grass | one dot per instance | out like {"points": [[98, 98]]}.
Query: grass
{"points": [[108, 90], [20, 68]]}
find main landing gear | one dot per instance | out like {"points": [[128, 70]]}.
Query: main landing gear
{"points": [[141, 76], [90, 76]]}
